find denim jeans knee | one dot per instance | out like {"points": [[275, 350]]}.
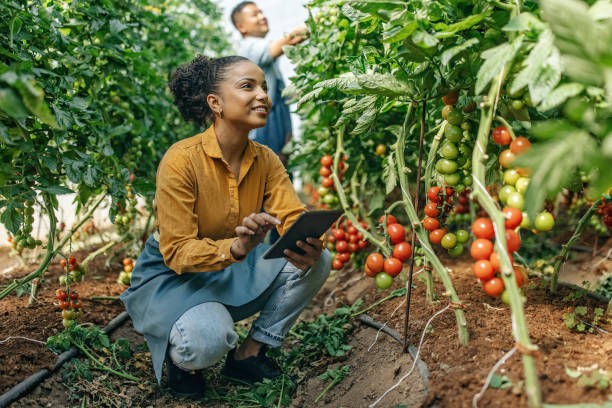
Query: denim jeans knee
{"points": [[202, 336]]}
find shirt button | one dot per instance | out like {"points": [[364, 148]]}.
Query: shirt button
{"points": [[222, 256]]}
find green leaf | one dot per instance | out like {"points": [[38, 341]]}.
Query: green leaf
{"points": [[560, 95], [525, 22], [11, 104], [424, 40], [450, 53], [495, 59], [11, 218], [552, 163], [389, 175], [446, 31], [384, 84], [116, 26], [64, 119], [572, 373], [58, 190], [500, 381], [399, 32], [33, 99]]}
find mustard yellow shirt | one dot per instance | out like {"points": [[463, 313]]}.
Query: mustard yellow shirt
{"points": [[199, 202]]}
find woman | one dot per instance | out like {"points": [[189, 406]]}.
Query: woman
{"points": [[202, 269]]}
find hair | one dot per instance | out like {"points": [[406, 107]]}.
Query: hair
{"points": [[192, 83], [238, 9]]}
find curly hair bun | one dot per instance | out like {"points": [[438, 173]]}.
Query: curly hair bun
{"points": [[192, 83]]}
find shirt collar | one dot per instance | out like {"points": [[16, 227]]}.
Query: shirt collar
{"points": [[212, 149]]}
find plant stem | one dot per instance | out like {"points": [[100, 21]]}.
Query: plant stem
{"points": [[99, 251], [423, 237], [507, 271], [329, 387], [554, 282], [104, 367], [393, 294]]}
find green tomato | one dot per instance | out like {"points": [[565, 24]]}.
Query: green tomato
{"points": [[329, 198], [511, 176], [544, 221], [457, 250], [449, 240], [525, 222], [449, 150], [521, 184], [445, 166], [505, 297], [467, 180], [383, 280], [453, 133], [515, 200], [462, 236], [459, 188], [68, 323], [517, 104], [455, 117], [322, 191], [452, 179], [505, 192]]}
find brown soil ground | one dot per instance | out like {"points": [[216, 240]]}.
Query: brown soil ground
{"points": [[456, 372]]}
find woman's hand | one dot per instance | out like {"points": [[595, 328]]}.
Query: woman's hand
{"points": [[251, 233], [312, 247]]}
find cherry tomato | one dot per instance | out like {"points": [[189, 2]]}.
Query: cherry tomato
{"points": [[431, 224], [493, 287], [337, 264], [511, 176], [506, 158], [392, 266], [449, 240], [433, 195], [127, 261], [455, 117], [496, 262], [390, 219], [453, 133], [383, 280], [520, 145], [352, 230], [451, 98], [519, 276], [344, 257], [72, 261], [481, 249], [431, 210], [75, 304], [515, 200], [513, 240], [128, 268], [381, 149], [353, 247], [375, 261], [60, 294], [435, 236], [483, 270], [63, 304], [341, 246], [462, 236], [327, 161], [362, 244], [63, 263], [501, 136], [339, 234], [327, 182], [324, 171], [456, 250], [331, 238], [396, 233], [513, 216], [68, 314], [402, 251], [483, 228], [544, 221], [445, 111], [73, 295], [369, 272]]}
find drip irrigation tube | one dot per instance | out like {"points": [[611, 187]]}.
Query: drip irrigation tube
{"points": [[421, 366], [32, 381]]}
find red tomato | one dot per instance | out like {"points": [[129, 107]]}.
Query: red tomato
{"points": [[431, 210], [362, 244], [74, 296], [493, 287], [75, 304], [72, 261], [483, 270], [369, 272], [431, 224], [451, 98], [506, 158], [327, 161], [483, 228], [351, 229], [496, 262], [375, 261], [449, 191], [359, 235], [327, 182], [513, 216], [63, 304], [344, 256], [60, 294], [501, 136], [331, 238], [513, 240], [393, 266], [481, 249], [353, 238], [325, 171], [402, 251], [339, 234], [353, 247], [435, 236], [519, 276], [432, 195], [337, 264], [63, 263], [390, 219], [127, 261], [341, 246], [396, 233], [520, 145]]}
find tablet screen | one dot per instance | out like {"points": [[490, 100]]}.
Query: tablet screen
{"points": [[310, 224]]}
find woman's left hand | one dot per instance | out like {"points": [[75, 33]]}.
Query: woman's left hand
{"points": [[312, 248]]}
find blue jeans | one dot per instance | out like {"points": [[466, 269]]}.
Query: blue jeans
{"points": [[205, 333]]}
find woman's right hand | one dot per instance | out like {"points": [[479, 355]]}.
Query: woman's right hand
{"points": [[251, 233]]}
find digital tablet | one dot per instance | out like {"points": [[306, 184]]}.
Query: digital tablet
{"points": [[311, 224]]}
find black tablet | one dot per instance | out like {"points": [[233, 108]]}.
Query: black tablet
{"points": [[310, 224]]}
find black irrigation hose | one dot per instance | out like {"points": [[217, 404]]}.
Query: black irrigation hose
{"points": [[32, 381], [421, 366]]}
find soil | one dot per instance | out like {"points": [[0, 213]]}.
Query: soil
{"points": [[457, 372]]}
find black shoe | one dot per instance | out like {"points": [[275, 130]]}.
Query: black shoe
{"points": [[184, 384], [251, 369]]}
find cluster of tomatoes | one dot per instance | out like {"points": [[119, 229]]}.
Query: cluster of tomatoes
{"points": [[605, 210], [345, 239], [488, 264], [516, 180], [75, 271], [384, 270], [325, 194], [23, 239], [68, 302], [126, 274], [439, 204]]}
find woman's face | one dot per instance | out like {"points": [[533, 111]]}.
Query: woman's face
{"points": [[243, 96]]}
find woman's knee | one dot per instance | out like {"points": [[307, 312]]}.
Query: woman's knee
{"points": [[202, 336]]}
